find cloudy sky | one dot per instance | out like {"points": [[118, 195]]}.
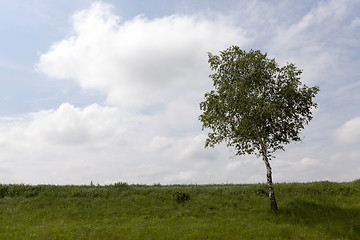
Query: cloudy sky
{"points": [[109, 91]]}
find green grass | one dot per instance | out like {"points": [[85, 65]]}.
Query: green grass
{"points": [[320, 210]]}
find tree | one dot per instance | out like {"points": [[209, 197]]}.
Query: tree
{"points": [[257, 107]]}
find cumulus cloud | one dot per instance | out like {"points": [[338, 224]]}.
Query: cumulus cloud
{"points": [[47, 144], [138, 62], [153, 73], [349, 132], [316, 41], [71, 145], [67, 125], [355, 23]]}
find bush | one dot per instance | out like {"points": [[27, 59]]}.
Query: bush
{"points": [[3, 190], [121, 185], [18, 190], [261, 190], [181, 197]]}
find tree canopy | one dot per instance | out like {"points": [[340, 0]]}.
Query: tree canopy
{"points": [[256, 107]]}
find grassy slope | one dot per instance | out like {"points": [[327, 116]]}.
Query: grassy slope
{"points": [[321, 210]]}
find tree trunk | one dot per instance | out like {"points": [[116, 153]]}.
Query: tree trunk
{"points": [[273, 204]]}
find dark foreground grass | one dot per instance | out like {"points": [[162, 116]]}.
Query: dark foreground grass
{"points": [[321, 210]]}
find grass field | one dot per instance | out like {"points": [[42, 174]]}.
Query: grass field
{"points": [[320, 210]]}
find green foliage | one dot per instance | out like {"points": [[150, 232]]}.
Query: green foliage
{"points": [[181, 197], [18, 190], [319, 210], [121, 185], [257, 106], [262, 190]]}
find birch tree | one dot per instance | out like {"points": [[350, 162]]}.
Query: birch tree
{"points": [[256, 106]]}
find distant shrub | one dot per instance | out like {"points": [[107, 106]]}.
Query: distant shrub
{"points": [[357, 182], [121, 185], [17, 190], [86, 192], [76, 193], [181, 197], [3, 190], [261, 190]]}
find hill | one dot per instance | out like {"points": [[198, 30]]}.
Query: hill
{"points": [[318, 210]]}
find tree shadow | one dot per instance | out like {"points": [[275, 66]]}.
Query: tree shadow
{"points": [[338, 222]]}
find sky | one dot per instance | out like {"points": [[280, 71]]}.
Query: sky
{"points": [[109, 91]]}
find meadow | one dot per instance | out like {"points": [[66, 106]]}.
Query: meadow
{"points": [[318, 210]]}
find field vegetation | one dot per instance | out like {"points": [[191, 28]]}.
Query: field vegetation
{"points": [[318, 210]]}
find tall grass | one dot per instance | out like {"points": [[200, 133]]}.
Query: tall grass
{"points": [[320, 210]]}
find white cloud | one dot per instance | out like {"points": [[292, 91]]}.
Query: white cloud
{"points": [[68, 126], [233, 166], [316, 42], [355, 23], [71, 145], [308, 162], [349, 132], [187, 176], [61, 145], [138, 62], [182, 149], [153, 71]]}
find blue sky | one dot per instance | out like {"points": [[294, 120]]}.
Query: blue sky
{"points": [[109, 91]]}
